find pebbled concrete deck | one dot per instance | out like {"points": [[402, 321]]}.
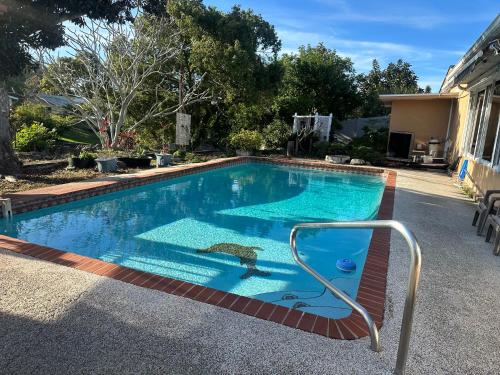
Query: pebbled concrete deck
{"points": [[59, 320]]}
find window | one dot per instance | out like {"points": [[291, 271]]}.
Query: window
{"points": [[491, 133], [476, 120]]}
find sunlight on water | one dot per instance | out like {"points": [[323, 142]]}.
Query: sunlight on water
{"points": [[227, 228]]}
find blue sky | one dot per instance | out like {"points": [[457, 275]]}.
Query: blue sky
{"points": [[431, 35]]}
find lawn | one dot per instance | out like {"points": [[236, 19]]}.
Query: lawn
{"points": [[79, 134]]}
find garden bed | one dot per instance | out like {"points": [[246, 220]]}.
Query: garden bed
{"points": [[33, 178]]}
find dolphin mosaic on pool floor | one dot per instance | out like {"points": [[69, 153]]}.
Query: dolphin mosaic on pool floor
{"points": [[371, 292]]}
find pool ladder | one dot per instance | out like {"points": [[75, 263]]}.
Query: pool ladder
{"points": [[415, 264]]}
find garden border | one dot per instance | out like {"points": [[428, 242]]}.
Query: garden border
{"points": [[371, 291]]}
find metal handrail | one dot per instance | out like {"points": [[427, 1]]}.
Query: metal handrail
{"points": [[415, 264]]}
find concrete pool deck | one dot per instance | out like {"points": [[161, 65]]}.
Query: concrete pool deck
{"points": [[59, 320]]}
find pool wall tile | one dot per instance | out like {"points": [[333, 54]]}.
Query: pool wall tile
{"points": [[371, 292]]}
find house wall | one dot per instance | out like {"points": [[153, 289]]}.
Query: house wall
{"points": [[480, 177], [425, 119], [458, 123]]}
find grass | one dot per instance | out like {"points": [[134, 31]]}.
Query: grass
{"points": [[78, 134]]}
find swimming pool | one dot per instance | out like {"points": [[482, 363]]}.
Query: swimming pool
{"points": [[226, 228]]}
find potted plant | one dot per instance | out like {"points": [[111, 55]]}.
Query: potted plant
{"points": [[87, 159], [105, 165], [246, 142], [163, 158], [107, 161], [137, 159]]}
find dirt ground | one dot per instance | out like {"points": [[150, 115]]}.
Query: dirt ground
{"points": [[33, 178]]}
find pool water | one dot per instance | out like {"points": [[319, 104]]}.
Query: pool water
{"points": [[227, 228]]}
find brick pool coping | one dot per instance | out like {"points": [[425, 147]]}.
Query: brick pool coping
{"points": [[372, 287]]}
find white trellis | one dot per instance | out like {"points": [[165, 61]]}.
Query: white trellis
{"points": [[320, 125]]}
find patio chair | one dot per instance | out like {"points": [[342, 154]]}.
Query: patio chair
{"points": [[486, 206], [493, 224]]}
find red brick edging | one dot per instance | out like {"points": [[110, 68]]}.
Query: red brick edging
{"points": [[371, 291]]}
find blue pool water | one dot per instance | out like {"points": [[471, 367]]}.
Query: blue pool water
{"points": [[226, 228]]}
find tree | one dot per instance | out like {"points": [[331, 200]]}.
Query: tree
{"points": [[237, 50], [317, 79], [396, 78], [369, 90], [399, 78], [29, 24], [109, 69]]}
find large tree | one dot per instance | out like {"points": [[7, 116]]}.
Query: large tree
{"points": [[317, 79], [32, 24], [237, 50], [113, 65], [396, 78]]}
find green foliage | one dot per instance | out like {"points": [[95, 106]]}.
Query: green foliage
{"points": [[396, 78], [277, 133], [42, 25], [181, 154], [87, 155], [236, 51], [27, 113], [367, 154], [246, 116], [34, 137], [155, 135], [376, 139], [193, 158], [247, 140], [321, 149], [317, 79], [79, 133]]}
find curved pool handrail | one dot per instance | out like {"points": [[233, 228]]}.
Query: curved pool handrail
{"points": [[413, 279]]}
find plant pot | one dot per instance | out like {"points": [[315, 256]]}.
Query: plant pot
{"points": [[106, 165], [87, 163], [163, 160], [243, 153], [140, 162]]}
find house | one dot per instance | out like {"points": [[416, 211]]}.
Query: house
{"points": [[459, 123], [57, 103]]}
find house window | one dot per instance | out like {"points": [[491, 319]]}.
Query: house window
{"points": [[476, 120], [491, 132]]}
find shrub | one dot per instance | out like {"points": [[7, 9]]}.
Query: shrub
{"points": [[321, 149], [277, 133], [338, 149], [181, 154], [193, 158], [87, 155], [247, 140], [374, 138], [367, 154], [34, 137], [28, 113]]}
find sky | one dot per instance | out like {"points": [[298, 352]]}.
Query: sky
{"points": [[430, 35]]}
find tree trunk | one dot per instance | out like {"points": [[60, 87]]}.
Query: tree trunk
{"points": [[8, 160]]}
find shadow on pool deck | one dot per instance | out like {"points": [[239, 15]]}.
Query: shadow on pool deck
{"points": [[60, 320]]}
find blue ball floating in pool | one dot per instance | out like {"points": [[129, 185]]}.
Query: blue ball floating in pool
{"points": [[346, 265]]}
